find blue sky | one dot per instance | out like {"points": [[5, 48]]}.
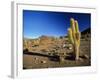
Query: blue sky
{"points": [[37, 23]]}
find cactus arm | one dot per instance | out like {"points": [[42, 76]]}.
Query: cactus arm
{"points": [[72, 24], [79, 38], [70, 37], [78, 34], [76, 26]]}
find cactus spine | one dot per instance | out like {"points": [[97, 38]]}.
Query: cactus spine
{"points": [[74, 36]]}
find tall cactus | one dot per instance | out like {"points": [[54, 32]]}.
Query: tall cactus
{"points": [[74, 36]]}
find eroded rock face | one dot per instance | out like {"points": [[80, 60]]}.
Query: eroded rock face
{"points": [[46, 44], [44, 40]]}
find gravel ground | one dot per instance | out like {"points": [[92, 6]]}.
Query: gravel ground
{"points": [[42, 56]]}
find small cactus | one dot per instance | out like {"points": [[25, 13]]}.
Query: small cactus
{"points": [[74, 36]]}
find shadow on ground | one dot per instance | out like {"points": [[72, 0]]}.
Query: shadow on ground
{"points": [[55, 58]]}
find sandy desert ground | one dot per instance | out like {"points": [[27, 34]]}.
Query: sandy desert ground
{"points": [[51, 52]]}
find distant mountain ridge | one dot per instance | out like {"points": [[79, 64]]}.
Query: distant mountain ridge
{"points": [[88, 30]]}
